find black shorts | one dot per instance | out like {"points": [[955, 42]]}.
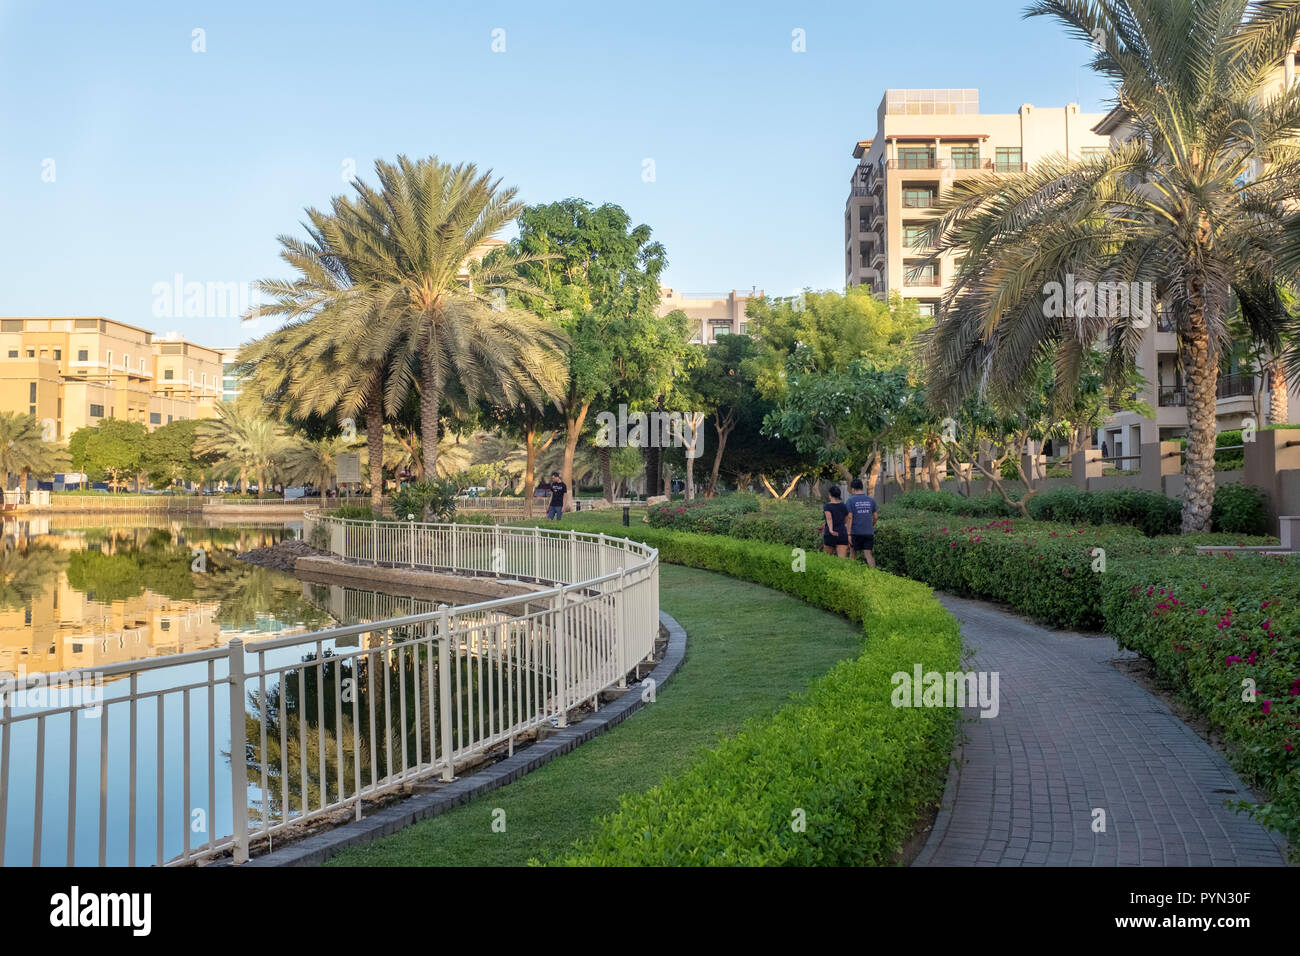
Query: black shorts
{"points": [[863, 542], [835, 540]]}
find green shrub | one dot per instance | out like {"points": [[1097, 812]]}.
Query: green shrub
{"points": [[433, 500], [1149, 511], [1209, 624], [795, 528], [353, 512], [859, 768], [704, 515], [989, 505], [1240, 509]]}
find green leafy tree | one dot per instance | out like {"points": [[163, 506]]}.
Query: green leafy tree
{"points": [[112, 450], [169, 454], [598, 276], [1194, 203]]}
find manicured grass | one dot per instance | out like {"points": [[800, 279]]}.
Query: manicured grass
{"points": [[748, 649]]}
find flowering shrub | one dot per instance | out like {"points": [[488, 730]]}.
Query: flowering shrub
{"points": [[704, 516], [1226, 631]]}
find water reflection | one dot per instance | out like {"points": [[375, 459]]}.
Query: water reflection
{"points": [[137, 586]]}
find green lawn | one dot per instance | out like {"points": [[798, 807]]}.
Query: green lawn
{"points": [[748, 649]]}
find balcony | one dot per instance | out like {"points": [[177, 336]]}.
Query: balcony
{"points": [[1236, 386], [1171, 396], [1165, 321], [857, 191]]}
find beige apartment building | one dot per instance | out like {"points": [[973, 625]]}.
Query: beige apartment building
{"points": [[1243, 387], [76, 371], [714, 313], [926, 140]]}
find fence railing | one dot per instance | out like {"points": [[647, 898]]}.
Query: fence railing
{"points": [[176, 759]]}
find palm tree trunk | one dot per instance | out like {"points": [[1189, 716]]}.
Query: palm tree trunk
{"points": [[375, 445], [430, 400], [1202, 373], [1277, 400]]}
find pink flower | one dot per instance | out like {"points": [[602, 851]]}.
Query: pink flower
{"points": [[1204, 610], [1232, 659], [1266, 707]]}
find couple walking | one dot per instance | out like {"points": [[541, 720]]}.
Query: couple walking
{"points": [[850, 526]]}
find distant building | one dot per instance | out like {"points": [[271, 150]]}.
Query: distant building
{"points": [[925, 140], [76, 371], [715, 313], [229, 380]]}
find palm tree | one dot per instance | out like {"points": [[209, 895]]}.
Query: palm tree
{"points": [[313, 462], [21, 446], [246, 443], [424, 304], [1194, 203]]}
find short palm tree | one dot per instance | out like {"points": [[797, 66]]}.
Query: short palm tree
{"points": [[314, 462], [21, 446], [246, 443], [1194, 202]]}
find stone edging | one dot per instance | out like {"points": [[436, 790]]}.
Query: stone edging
{"points": [[320, 847]]}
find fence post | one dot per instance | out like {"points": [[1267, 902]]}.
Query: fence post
{"points": [[573, 556], [561, 661], [373, 530], [444, 688], [620, 629], [537, 553], [238, 753]]}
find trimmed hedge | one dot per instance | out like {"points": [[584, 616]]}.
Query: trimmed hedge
{"points": [[858, 768], [1151, 512], [705, 515]]}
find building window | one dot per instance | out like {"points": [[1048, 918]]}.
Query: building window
{"points": [[916, 157], [126, 362], [920, 273], [965, 157], [915, 234], [169, 374], [58, 355], [918, 197], [96, 411], [31, 391], [109, 361], [204, 379], [155, 418], [1008, 159], [83, 355], [13, 353], [169, 419], [31, 353]]}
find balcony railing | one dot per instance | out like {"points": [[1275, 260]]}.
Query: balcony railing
{"points": [[1236, 386], [1171, 396], [1165, 322]]}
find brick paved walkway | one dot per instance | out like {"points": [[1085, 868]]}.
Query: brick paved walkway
{"points": [[1074, 734]]}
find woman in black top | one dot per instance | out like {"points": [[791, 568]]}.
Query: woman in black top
{"points": [[835, 536]]}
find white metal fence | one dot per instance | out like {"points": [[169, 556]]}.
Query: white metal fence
{"points": [[175, 759]]}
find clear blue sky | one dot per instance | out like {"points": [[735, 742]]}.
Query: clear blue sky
{"points": [[168, 161]]}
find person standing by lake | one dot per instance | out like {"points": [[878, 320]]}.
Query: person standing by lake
{"points": [[862, 522], [835, 534]]}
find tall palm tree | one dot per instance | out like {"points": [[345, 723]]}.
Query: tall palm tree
{"points": [[247, 443], [1194, 202], [21, 446], [424, 302]]}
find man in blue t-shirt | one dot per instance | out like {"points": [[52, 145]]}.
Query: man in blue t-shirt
{"points": [[862, 522]]}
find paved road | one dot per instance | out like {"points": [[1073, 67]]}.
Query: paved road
{"points": [[1073, 734]]}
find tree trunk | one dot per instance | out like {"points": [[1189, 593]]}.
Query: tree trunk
{"points": [[572, 432], [724, 428], [375, 445], [430, 400], [1277, 398], [653, 472], [1202, 372], [606, 476], [872, 478], [530, 467]]}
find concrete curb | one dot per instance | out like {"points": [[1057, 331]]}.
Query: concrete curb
{"points": [[316, 849]]}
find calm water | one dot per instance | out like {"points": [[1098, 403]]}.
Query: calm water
{"points": [[134, 587]]}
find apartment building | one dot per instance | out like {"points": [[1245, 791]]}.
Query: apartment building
{"points": [[926, 140], [1243, 387], [76, 371], [714, 313]]}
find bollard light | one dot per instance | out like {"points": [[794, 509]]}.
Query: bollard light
{"points": [[627, 516]]}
